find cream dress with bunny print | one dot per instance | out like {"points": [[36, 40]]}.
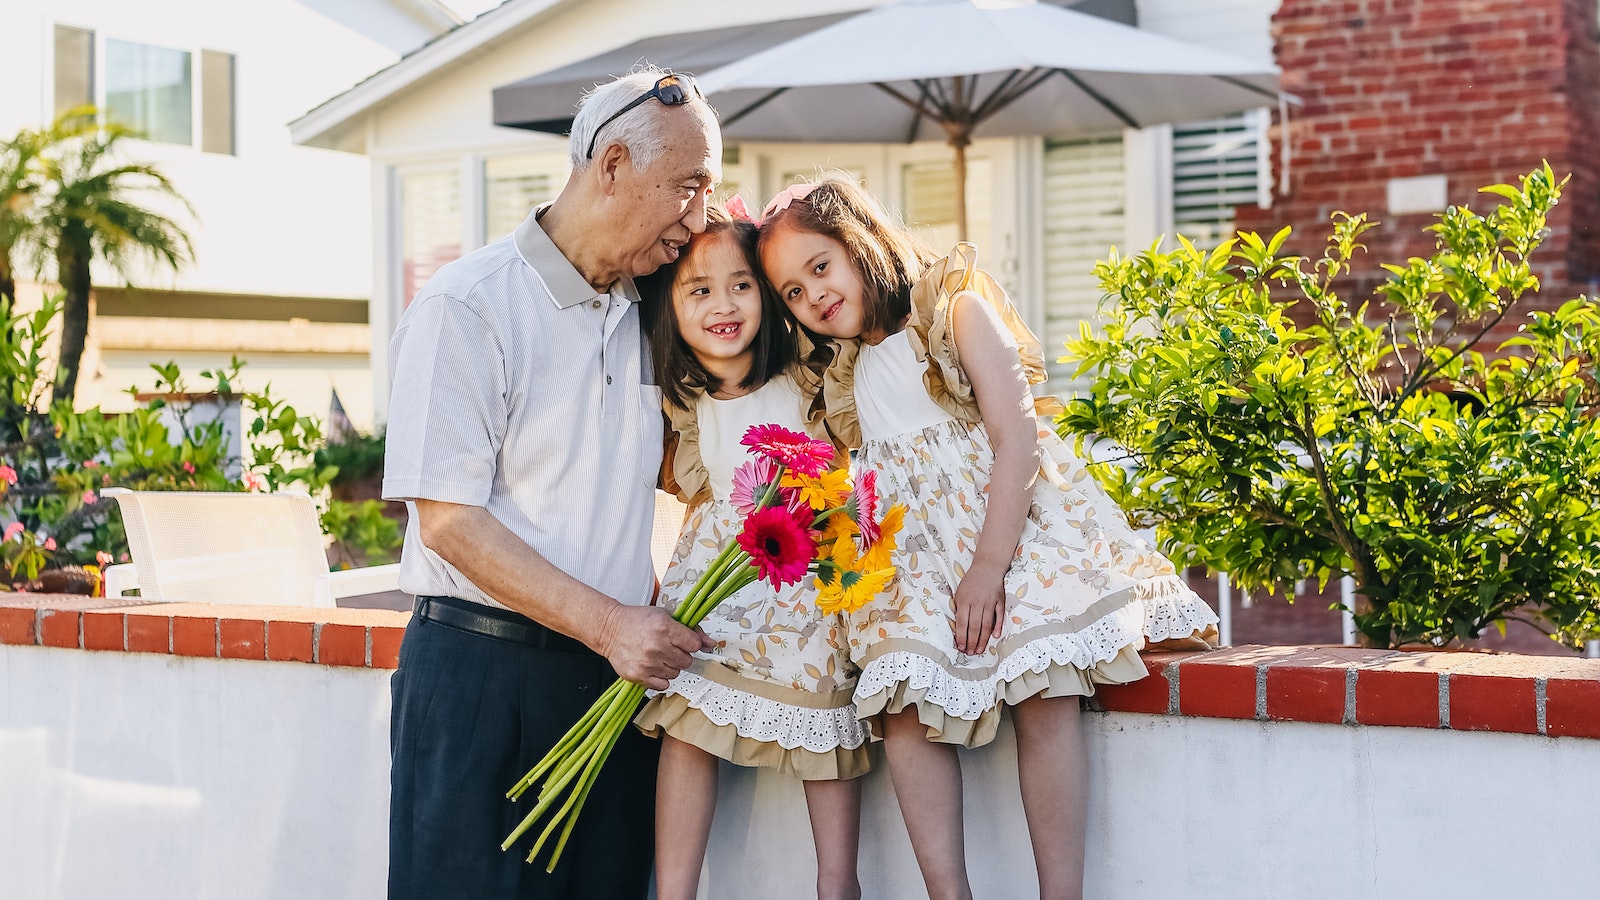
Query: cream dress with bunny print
{"points": [[1079, 592], [776, 690]]}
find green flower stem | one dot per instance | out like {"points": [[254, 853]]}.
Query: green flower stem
{"points": [[571, 767], [581, 795], [609, 720], [615, 708], [568, 741], [726, 589], [709, 584], [824, 515], [739, 573], [707, 581]]}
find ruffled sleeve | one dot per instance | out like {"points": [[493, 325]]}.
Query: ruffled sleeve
{"points": [[932, 336], [838, 396], [683, 473]]}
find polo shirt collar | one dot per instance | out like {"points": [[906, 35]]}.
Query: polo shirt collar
{"points": [[567, 286]]}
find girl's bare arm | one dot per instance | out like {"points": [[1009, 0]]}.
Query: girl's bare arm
{"points": [[1006, 404]]}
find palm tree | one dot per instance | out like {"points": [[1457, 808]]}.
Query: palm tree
{"points": [[19, 183], [89, 207]]}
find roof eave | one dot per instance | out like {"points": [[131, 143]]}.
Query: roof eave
{"points": [[329, 124]]}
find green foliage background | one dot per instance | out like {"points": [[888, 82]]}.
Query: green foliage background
{"points": [[1270, 429]]}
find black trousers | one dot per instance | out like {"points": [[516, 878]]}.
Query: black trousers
{"points": [[471, 714]]}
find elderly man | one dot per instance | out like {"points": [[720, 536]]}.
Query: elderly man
{"points": [[525, 434]]}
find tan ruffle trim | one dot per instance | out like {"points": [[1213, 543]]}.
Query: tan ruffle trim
{"points": [[684, 470], [671, 714], [1055, 681], [929, 331]]}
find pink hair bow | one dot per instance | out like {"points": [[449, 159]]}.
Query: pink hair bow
{"points": [[785, 197], [736, 208]]}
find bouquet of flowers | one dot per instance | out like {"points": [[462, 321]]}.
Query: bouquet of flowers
{"points": [[801, 515]]}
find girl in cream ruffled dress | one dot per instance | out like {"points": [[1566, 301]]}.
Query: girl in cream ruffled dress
{"points": [[1020, 586], [776, 690]]}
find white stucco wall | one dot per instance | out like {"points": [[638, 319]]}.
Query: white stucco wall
{"points": [[274, 219], [151, 776]]}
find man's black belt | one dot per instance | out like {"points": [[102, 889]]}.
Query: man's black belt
{"points": [[489, 621]]}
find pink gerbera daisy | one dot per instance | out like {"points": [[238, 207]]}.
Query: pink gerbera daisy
{"points": [[779, 548], [789, 448], [863, 506], [750, 483]]}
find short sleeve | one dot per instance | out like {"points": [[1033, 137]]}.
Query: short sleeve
{"points": [[448, 409]]}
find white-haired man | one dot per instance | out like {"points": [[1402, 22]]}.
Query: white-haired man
{"points": [[525, 435]]}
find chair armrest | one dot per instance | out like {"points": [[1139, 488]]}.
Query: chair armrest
{"points": [[365, 580], [120, 579]]}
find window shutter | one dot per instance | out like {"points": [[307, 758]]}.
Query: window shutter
{"points": [[1084, 215], [1216, 166], [74, 68], [217, 128]]}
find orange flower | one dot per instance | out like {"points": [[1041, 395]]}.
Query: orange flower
{"points": [[876, 554]]}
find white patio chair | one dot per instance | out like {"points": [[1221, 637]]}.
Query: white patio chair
{"points": [[221, 547]]}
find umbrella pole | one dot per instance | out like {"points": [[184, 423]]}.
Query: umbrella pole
{"points": [[958, 142]]}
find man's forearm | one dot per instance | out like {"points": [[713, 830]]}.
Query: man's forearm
{"points": [[503, 566]]}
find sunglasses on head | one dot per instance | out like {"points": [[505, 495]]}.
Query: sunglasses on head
{"points": [[671, 90]]}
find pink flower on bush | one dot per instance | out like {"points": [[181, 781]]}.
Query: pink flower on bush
{"points": [[90, 498], [188, 467], [253, 482], [90, 464], [103, 558], [8, 475], [49, 543], [12, 530]]}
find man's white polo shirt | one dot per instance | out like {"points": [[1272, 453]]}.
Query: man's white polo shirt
{"points": [[517, 388]]}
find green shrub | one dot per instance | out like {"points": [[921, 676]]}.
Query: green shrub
{"points": [[55, 461], [1270, 430]]}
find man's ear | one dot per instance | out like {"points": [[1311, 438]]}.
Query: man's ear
{"points": [[608, 168]]}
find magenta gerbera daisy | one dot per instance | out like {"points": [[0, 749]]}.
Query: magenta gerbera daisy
{"points": [[779, 547], [789, 448]]}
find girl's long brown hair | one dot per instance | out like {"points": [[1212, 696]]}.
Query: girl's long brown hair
{"points": [[679, 373], [888, 258]]}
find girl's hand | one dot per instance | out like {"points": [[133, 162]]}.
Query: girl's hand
{"points": [[980, 607]]}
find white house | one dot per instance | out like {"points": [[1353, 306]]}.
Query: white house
{"points": [[447, 179], [282, 241]]}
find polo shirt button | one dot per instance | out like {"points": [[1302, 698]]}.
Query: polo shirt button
{"points": [[596, 303], [608, 379]]}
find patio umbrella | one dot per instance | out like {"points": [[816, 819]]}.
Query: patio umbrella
{"points": [[966, 69]]}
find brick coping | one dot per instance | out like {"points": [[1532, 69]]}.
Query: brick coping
{"points": [[1454, 690]]}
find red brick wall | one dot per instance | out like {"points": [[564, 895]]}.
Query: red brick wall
{"points": [[1477, 90]]}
